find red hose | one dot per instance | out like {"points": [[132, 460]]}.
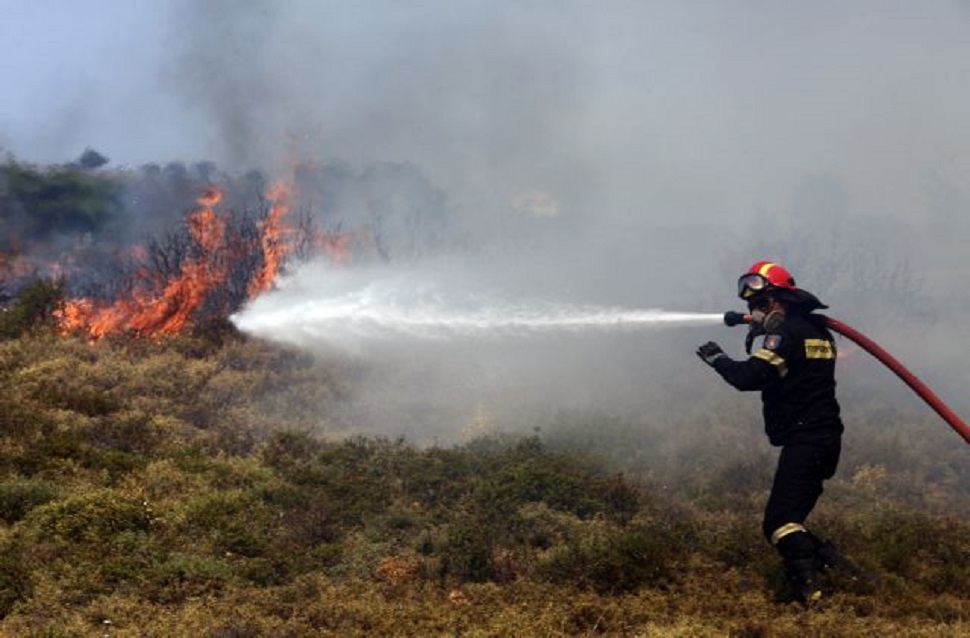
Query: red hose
{"points": [[735, 318], [908, 377]]}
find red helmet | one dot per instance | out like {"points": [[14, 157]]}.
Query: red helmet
{"points": [[763, 276]]}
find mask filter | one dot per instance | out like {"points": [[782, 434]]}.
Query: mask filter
{"points": [[770, 321]]}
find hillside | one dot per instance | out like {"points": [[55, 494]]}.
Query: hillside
{"points": [[195, 486]]}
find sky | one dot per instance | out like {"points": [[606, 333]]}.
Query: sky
{"points": [[667, 140]]}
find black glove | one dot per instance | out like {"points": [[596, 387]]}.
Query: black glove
{"points": [[710, 352]]}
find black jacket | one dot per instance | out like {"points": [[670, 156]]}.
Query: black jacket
{"points": [[795, 371]]}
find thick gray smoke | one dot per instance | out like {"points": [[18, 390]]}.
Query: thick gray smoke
{"points": [[630, 155], [614, 154]]}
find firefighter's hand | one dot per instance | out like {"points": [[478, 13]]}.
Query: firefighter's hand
{"points": [[710, 352]]}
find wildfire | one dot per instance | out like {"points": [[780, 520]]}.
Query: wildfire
{"points": [[161, 308], [274, 238], [210, 277]]}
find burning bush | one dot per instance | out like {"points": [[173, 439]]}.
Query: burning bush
{"points": [[129, 261]]}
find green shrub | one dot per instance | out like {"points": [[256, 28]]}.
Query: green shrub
{"points": [[611, 559], [19, 496], [33, 308], [94, 518], [290, 453], [20, 421], [305, 513], [467, 551], [179, 576], [232, 521], [130, 431], [352, 477], [15, 581], [61, 200], [933, 551]]}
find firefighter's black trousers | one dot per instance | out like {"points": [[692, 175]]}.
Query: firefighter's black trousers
{"points": [[802, 468]]}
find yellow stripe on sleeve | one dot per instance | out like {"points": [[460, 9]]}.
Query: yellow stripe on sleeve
{"points": [[773, 358]]}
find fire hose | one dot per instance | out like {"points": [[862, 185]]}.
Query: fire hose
{"points": [[732, 318]]}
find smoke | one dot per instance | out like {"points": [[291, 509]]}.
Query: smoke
{"points": [[456, 345], [631, 155], [616, 155]]}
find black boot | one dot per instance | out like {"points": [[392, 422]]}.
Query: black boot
{"points": [[804, 579], [798, 552], [828, 556]]}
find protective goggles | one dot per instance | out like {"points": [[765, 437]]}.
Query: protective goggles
{"points": [[752, 284]]}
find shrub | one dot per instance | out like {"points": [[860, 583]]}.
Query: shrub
{"points": [[34, 306], [305, 513], [15, 581], [613, 559], [290, 453], [93, 518], [232, 521], [61, 200], [19, 496], [20, 422], [933, 551], [179, 576], [466, 553], [526, 472]]}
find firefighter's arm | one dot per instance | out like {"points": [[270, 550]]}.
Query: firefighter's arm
{"points": [[753, 373]]}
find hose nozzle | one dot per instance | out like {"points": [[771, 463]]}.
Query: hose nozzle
{"points": [[732, 318]]}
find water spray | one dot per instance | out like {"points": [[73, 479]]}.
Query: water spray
{"points": [[732, 318], [371, 319], [356, 308]]}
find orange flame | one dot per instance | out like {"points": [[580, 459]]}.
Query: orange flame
{"points": [[157, 306], [275, 238], [156, 313]]}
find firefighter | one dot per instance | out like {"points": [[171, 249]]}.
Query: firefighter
{"points": [[794, 369]]}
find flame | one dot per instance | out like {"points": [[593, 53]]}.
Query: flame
{"points": [[158, 305], [275, 238], [148, 311]]}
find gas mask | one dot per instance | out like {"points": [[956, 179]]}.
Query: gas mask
{"points": [[763, 321], [769, 321]]}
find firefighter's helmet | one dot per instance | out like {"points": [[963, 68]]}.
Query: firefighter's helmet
{"points": [[762, 277]]}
